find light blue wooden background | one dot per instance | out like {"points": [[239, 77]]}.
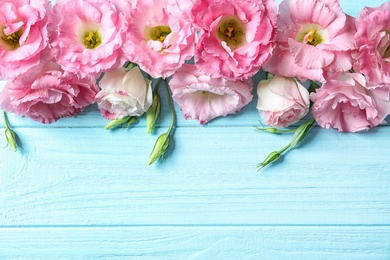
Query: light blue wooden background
{"points": [[76, 191]]}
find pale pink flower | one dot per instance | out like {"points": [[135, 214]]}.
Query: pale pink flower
{"points": [[282, 101], [346, 103], [203, 98], [160, 36], [23, 35], [314, 37], [124, 93], [87, 35], [372, 57], [46, 93], [236, 38]]}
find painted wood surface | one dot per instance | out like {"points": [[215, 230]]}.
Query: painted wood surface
{"points": [[77, 191]]}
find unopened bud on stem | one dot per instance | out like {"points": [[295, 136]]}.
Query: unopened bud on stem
{"points": [[161, 145]]}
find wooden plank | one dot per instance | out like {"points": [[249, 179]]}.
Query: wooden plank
{"points": [[196, 243], [81, 176]]}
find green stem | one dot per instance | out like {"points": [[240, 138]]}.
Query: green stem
{"points": [[163, 141], [171, 109], [157, 85], [5, 120], [284, 149]]}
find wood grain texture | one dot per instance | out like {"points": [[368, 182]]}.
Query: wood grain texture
{"points": [[196, 243], [77, 191], [210, 178]]}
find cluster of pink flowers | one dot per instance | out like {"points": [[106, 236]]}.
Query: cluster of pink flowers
{"points": [[348, 57], [61, 57]]}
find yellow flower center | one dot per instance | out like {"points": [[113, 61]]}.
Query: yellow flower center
{"points": [[312, 34], [92, 39], [12, 40], [312, 38], [159, 33], [232, 31], [228, 32]]}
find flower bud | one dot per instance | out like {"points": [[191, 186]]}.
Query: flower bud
{"points": [[124, 93], [300, 133], [11, 138], [272, 157], [274, 130], [161, 145], [131, 121], [282, 101], [117, 122], [153, 112]]}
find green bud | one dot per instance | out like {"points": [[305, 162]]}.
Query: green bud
{"points": [[9, 134], [161, 145], [131, 121], [274, 130], [300, 133], [116, 122], [153, 112], [11, 138], [272, 157], [271, 130]]}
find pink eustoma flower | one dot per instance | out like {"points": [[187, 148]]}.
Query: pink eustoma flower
{"points": [[23, 35], [236, 38], [87, 35], [282, 101], [46, 93], [346, 103], [160, 36], [372, 57], [314, 37], [203, 98]]}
